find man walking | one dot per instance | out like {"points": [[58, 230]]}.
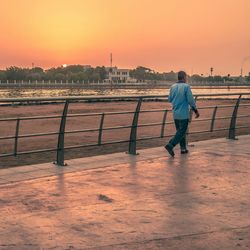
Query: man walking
{"points": [[181, 97]]}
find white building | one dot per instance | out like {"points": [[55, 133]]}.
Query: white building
{"points": [[118, 75]]}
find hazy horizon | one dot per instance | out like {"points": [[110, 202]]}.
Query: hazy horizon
{"points": [[163, 35], [129, 68]]}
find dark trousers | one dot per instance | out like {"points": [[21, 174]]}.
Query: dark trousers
{"points": [[180, 136]]}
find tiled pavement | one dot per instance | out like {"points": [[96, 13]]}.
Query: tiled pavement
{"points": [[149, 201]]}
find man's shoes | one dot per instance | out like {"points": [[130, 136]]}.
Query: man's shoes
{"points": [[170, 150], [184, 151]]}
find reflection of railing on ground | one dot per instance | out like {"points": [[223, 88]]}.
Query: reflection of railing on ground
{"points": [[133, 138]]}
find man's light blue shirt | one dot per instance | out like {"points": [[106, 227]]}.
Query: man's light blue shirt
{"points": [[181, 97]]}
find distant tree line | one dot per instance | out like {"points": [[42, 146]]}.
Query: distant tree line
{"points": [[90, 74], [145, 74], [70, 73]]}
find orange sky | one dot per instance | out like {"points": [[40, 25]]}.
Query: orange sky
{"points": [[162, 34]]}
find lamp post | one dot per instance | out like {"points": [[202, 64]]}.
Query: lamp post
{"points": [[211, 71]]}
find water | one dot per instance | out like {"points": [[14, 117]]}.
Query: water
{"points": [[19, 93]]}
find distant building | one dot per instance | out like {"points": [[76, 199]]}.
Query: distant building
{"points": [[86, 66], [118, 75]]}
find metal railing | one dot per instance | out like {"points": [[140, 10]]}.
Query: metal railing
{"points": [[34, 83], [133, 138]]}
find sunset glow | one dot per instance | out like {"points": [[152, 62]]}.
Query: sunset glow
{"points": [[164, 34]]}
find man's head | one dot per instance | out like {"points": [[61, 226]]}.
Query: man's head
{"points": [[182, 76]]}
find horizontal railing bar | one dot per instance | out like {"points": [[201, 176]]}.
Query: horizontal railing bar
{"points": [[223, 118], [57, 116], [76, 115], [195, 132], [7, 137], [242, 116], [244, 105], [55, 149], [107, 128], [217, 130], [115, 142], [81, 131], [107, 113], [149, 124], [31, 152], [117, 127], [140, 125], [96, 144], [110, 113], [50, 117], [37, 151], [154, 137], [8, 119], [81, 146], [223, 106], [28, 135], [150, 138], [31, 118], [69, 132], [96, 129], [246, 126], [202, 120], [209, 119], [112, 128], [155, 110], [39, 134], [7, 155], [98, 114], [206, 131], [219, 106]]}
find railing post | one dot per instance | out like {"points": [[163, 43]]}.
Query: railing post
{"points": [[163, 123], [133, 132], [60, 143], [213, 119], [16, 136], [100, 129], [231, 132]]}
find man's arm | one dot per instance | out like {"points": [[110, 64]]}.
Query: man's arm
{"points": [[191, 101], [170, 96]]}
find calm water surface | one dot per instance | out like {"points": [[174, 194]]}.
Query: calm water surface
{"points": [[18, 93]]}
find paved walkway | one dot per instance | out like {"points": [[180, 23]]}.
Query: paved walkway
{"points": [[150, 201]]}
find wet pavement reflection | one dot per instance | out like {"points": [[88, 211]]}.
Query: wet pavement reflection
{"points": [[195, 201]]}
